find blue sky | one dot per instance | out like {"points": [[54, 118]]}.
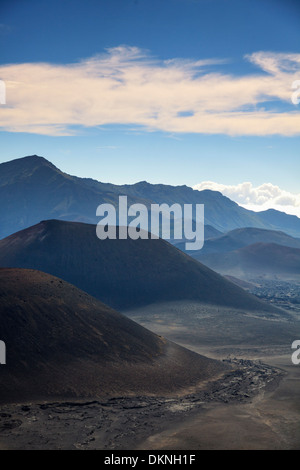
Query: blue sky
{"points": [[171, 91]]}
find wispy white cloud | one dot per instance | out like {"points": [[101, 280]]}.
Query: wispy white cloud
{"points": [[127, 86], [259, 198]]}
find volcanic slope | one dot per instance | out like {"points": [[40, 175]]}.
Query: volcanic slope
{"points": [[259, 259], [62, 343], [121, 273], [240, 238]]}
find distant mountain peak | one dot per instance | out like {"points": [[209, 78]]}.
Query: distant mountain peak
{"points": [[33, 189], [37, 159], [142, 183], [27, 163], [33, 158]]}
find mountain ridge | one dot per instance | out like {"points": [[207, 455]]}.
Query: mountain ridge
{"points": [[241, 237], [259, 259], [33, 189]]}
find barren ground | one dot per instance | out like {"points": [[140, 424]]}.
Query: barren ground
{"points": [[255, 405]]}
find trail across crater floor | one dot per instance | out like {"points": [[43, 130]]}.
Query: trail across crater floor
{"points": [[126, 422]]}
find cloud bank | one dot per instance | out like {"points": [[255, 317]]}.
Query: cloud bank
{"points": [[259, 198], [127, 86]]}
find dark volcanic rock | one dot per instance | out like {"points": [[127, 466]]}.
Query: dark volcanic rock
{"points": [[61, 342]]}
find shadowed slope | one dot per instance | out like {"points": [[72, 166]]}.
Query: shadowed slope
{"points": [[258, 259], [121, 273], [242, 237], [61, 342]]}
